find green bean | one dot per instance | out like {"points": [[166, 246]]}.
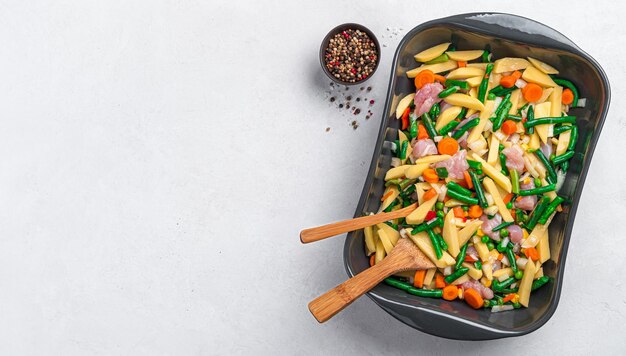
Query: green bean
{"points": [[550, 209], [468, 125], [502, 115], [502, 104], [474, 164], [536, 214], [395, 181], [571, 86], [456, 187], [427, 225], [449, 127], [511, 257], [462, 113], [440, 59], [551, 120], [434, 110], [530, 116], [396, 147], [435, 243], [480, 193], [497, 286], [500, 90], [429, 293], [547, 164], [519, 216], [442, 172], [502, 226], [572, 139], [457, 83], [559, 130], [478, 265], [463, 198], [514, 117], [448, 91], [403, 148], [460, 257], [482, 89], [564, 166], [491, 96], [514, 181], [562, 158], [537, 191], [519, 111], [442, 242], [502, 157], [539, 282], [485, 56], [398, 283], [405, 183], [413, 129], [428, 123], [456, 275]]}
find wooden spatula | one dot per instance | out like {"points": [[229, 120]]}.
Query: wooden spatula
{"points": [[324, 231], [404, 256]]}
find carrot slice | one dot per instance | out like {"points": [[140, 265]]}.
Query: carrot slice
{"points": [[509, 127], [448, 146], [532, 92], [440, 78], [458, 212], [421, 132], [567, 97], [424, 77], [439, 281], [468, 180], [386, 195], [418, 280], [473, 298], [508, 81], [507, 198], [405, 118], [461, 64], [450, 292], [517, 74], [430, 175], [532, 253], [475, 211], [508, 297], [430, 194]]}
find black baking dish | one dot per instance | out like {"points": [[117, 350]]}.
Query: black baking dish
{"points": [[508, 35]]}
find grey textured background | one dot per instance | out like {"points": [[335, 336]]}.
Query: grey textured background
{"points": [[158, 159]]}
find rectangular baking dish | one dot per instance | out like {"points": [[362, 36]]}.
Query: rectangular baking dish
{"points": [[508, 35]]}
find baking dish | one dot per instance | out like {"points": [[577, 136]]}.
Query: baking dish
{"points": [[507, 35]]}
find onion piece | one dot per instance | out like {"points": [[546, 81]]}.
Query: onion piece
{"points": [[501, 308], [520, 83]]}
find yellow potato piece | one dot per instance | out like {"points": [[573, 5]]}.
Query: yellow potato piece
{"points": [[496, 175], [526, 284], [546, 68], [482, 66], [495, 194], [418, 215], [432, 159], [474, 81], [465, 72], [414, 171], [464, 56], [423, 242], [446, 116], [543, 110], [450, 234], [432, 52], [534, 75], [469, 230], [509, 64], [465, 101], [403, 104], [484, 118], [435, 68], [473, 272], [544, 95]]}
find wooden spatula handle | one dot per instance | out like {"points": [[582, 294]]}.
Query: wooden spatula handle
{"points": [[332, 302], [322, 232]]}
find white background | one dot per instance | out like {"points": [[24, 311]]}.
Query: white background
{"points": [[158, 159]]}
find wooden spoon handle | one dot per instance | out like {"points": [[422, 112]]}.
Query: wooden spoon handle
{"points": [[322, 232], [332, 302]]}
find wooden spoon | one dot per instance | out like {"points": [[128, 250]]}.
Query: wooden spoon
{"points": [[324, 231], [404, 256]]}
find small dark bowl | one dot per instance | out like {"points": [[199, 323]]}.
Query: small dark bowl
{"points": [[508, 35], [331, 34]]}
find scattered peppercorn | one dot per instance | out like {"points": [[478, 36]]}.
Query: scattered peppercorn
{"points": [[358, 99], [327, 129], [357, 111], [332, 99], [351, 56], [355, 125], [349, 97], [340, 106], [369, 88]]}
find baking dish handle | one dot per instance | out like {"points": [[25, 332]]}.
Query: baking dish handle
{"points": [[514, 27]]}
